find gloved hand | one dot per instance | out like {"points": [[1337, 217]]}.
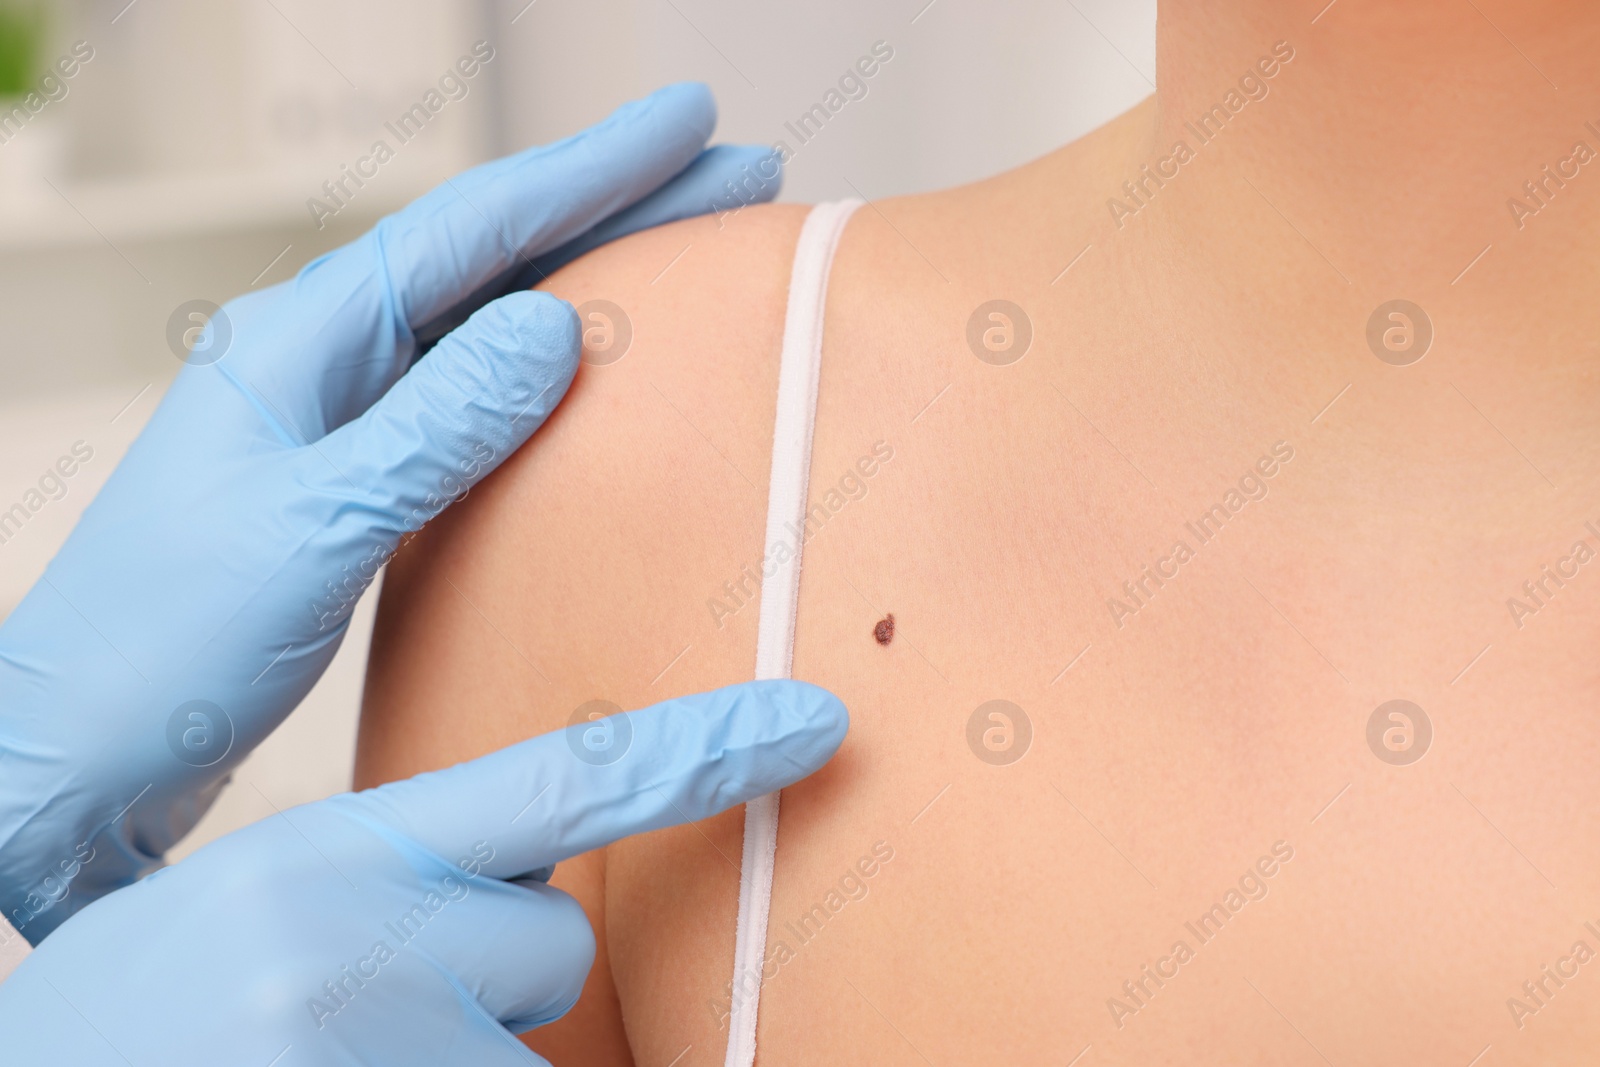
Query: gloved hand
{"points": [[208, 586], [403, 925]]}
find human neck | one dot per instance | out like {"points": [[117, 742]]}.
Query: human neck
{"points": [[1407, 123], [1362, 57]]}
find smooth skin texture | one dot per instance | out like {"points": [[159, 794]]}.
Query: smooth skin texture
{"points": [[210, 583], [1174, 746]]}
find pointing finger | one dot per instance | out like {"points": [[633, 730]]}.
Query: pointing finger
{"points": [[568, 792]]}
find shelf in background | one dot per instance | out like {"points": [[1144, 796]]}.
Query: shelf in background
{"points": [[45, 215]]}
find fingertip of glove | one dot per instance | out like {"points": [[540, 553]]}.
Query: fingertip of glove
{"points": [[540, 316], [530, 323], [688, 104], [757, 169], [736, 176], [810, 716], [828, 716]]}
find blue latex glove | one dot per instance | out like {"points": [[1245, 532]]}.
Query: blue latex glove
{"points": [[210, 583], [403, 925]]}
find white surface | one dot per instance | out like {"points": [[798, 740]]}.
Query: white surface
{"points": [[182, 86], [94, 214], [192, 116], [975, 87]]}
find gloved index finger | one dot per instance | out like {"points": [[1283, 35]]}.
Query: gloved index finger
{"points": [[321, 349], [564, 793], [721, 178], [446, 245]]}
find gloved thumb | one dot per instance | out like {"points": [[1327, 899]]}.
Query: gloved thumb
{"points": [[522, 949], [464, 408]]}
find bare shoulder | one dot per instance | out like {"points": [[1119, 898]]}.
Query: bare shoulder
{"points": [[579, 569], [574, 578], [583, 568]]}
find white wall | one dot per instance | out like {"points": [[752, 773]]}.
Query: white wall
{"points": [[188, 146], [976, 86]]}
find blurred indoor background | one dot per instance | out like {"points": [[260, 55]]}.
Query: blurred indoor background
{"points": [[177, 161]]}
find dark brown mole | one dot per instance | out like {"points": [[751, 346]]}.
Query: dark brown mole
{"points": [[884, 631]]}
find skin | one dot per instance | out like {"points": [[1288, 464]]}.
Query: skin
{"points": [[1188, 738]]}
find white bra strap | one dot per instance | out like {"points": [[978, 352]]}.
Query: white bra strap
{"points": [[798, 373]]}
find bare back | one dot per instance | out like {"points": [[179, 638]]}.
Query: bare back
{"points": [[1194, 537]]}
